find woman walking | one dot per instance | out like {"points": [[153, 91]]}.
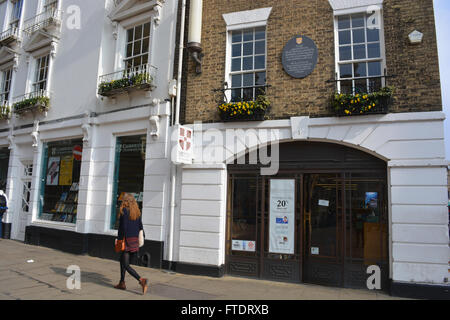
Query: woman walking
{"points": [[130, 224]]}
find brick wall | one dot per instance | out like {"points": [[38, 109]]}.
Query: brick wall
{"points": [[415, 66]]}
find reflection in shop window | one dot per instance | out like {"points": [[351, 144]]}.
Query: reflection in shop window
{"points": [[129, 172], [244, 216]]}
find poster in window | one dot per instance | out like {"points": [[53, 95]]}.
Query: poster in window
{"points": [[65, 173], [282, 216], [53, 171], [371, 201]]}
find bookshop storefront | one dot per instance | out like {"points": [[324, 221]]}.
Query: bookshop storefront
{"points": [[60, 181], [322, 219]]}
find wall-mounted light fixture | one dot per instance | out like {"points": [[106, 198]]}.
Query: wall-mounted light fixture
{"points": [[195, 33]]}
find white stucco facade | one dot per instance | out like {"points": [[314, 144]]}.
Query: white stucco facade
{"points": [[412, 144], [81, 51]]}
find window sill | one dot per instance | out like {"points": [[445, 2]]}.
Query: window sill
{"points": [[51, 224]]}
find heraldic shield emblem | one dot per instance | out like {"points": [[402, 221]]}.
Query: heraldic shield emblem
{"points": [[299, 40]]}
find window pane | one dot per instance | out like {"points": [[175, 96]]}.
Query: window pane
{"points": [[345, 53], [374, 84], [244, 210], [137, 48], [347, 87], [236, 50], [359, 36], [373, 35], [129, 50], [346, 71], [357, 20], [236, 81], [146, 30], [145, 45], [344, 37], [359, 52], [248, 49], [248, 94], [137, 61], [373, 50], [360, 69], [138, 33], [374, 68], [361, 86], [236, 36], [260, 33], [260, 78], [248, 35], [248, 80], [236, 64], [130, 36], [344, 22], [260, 62], [260, 47], [236, 95], [247, 63], [145, 59]]}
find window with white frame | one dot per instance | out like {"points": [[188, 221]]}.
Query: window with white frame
{"points": [[41, 74], [137, 46], [6, 77], [360, 54], [248, 63], [16, 14]]}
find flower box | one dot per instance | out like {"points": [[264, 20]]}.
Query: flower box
{"points": [[362, 103], [135, 82], [41, 104], [245, 110]]}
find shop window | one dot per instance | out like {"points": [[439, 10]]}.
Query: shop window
{"points": [[60, 181], [244, 224], [128, 172]]}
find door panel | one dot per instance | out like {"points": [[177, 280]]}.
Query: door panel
{"points": [[323, 224]]}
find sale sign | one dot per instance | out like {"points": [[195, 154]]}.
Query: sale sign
{"points": [[282, 216]]}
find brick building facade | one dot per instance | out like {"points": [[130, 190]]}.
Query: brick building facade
{"points": [[415, 67]]}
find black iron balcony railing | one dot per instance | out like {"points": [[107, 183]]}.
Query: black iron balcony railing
{"points": [[365, 95], [248, 103]]}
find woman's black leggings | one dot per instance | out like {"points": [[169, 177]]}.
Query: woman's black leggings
{"points": [[125, 265]]}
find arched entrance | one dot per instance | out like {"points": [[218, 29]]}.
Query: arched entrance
{"points": [[322, 219]]}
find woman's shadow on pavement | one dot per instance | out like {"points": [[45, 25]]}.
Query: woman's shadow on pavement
{"points": [[93, 277]]}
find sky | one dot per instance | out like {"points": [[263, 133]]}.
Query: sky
{"points": [[442, 16]]}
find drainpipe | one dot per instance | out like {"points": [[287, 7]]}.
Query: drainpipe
{"points": [[195, 33], [175, 127]]}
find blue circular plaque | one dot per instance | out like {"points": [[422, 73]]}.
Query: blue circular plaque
{"points": [[300, 57]]}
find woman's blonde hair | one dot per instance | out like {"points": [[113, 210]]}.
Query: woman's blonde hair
{"points": [[130, 203]]}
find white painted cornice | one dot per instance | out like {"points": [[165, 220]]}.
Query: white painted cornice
{"points": [[350, 6], [131, 8], [249, 18]]}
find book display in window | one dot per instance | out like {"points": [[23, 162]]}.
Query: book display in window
{"points": [[60, 188]]}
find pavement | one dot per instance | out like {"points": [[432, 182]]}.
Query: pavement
{"points": [[38, 273]]}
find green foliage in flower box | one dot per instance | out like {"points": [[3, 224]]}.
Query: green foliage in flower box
{"points": [[42, 104], [362, 103], [125, 82]]}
